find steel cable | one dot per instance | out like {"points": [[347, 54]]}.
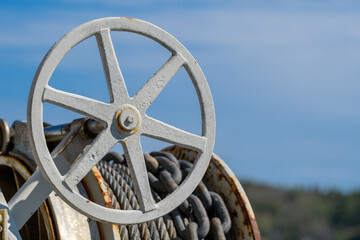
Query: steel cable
{"points": [[111, 171], [202, 216], [124, 234], [133, 230]]}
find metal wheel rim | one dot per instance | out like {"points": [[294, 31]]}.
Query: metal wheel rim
{"points": [[37, 139]]}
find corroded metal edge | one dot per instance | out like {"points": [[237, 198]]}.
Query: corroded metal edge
{"points": [[97, 190], [221, 179]]}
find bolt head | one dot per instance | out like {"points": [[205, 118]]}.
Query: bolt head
{"points": [[128, 119]]}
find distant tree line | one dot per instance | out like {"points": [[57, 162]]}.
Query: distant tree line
{"points": [[304, 214]]}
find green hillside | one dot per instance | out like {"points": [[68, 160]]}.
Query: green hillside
{"points": [[304, 214]]}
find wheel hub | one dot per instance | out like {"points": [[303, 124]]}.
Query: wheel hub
{"points": [[128, 118]]}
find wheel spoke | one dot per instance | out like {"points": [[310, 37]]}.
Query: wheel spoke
{"points": [[76, 103], [113, 75], [135, 159], [152, 88], [102, 144], [156, 129]]}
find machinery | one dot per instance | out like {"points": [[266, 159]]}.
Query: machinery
{"points": [[64, 182]]}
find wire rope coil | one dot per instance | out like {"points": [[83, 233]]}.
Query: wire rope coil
{"points": [[202, 216]]}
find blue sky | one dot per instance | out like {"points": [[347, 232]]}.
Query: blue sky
{"points": [[284, 76]]}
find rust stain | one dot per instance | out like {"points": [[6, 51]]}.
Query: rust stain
{"points": [[248, 218], [129, 18], [242, 234], [116, 228], [106, 197], [103, 187], [49, 218], [217, 177], [234, 213], [117, 116]]}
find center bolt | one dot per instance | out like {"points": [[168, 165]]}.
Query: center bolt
{"points": [[128, 119]]}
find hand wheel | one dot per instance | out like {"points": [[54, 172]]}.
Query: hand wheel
{"points": [[125, 119]]}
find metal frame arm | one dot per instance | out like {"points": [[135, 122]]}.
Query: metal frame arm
{"points": [[36, 189]]}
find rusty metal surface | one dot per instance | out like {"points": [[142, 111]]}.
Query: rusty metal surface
{"points": [[97, 191], [69, 223], [221, 179]]}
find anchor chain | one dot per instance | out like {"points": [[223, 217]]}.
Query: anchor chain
{"points": [[203, 215]]}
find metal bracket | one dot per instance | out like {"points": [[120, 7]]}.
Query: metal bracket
{"points": [[35, 190], [4, 222], [8, 229]]}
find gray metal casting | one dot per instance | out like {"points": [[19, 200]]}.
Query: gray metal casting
{"points": [[125, 120], [56, 133], [4, 135]]}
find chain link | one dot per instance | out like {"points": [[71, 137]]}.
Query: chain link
{"points": [[202, 216]]}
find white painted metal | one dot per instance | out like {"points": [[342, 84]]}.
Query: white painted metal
{"points": [[111, 115], [61, 213], [25, 203], [35, 190]]}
